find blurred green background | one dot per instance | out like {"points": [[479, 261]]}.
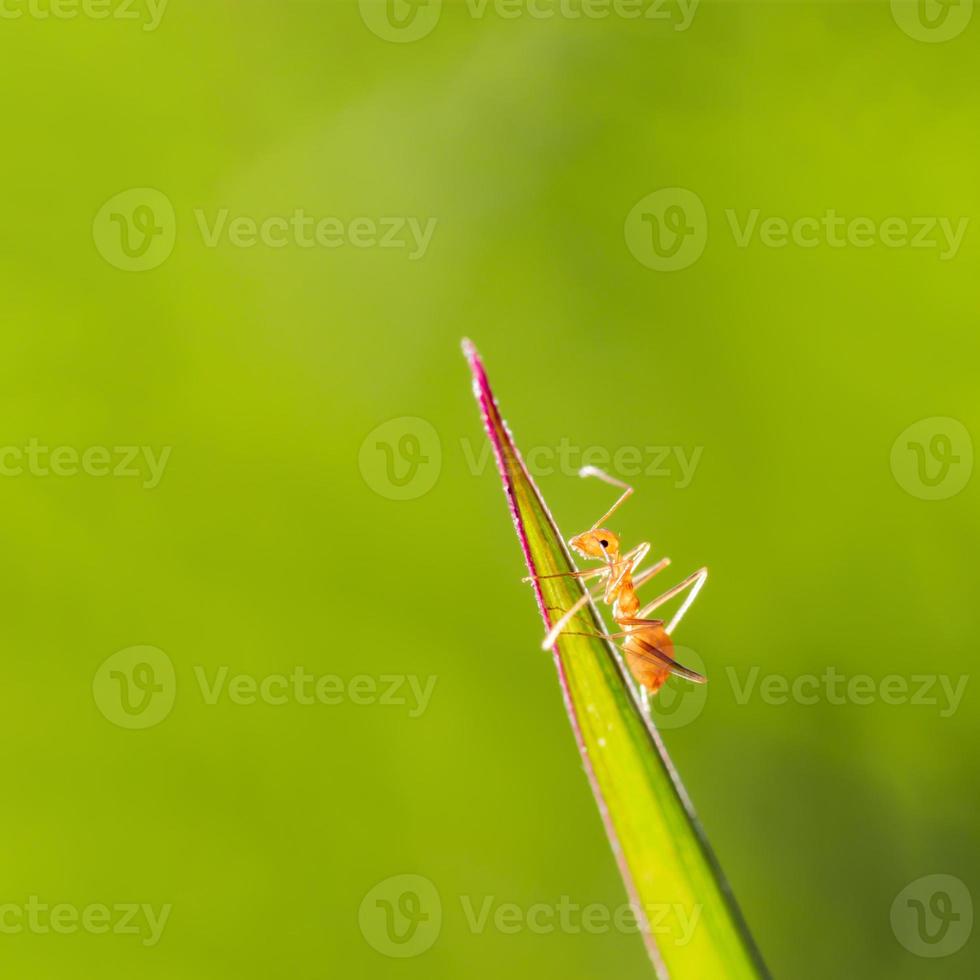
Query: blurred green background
{"points": [[272, 540]]}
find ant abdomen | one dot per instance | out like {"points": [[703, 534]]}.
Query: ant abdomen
{"points": [[649, 653]]}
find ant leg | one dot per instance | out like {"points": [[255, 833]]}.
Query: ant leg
{"points": [[601, 636], [627, 562], [650, 652], [559, 627], [694, 581], [648, 573], [643, 547], [636, 557], [631, 559], [612, 481], [593, 592], [588, 573]]}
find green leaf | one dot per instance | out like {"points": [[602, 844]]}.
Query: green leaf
{"points": [[690, 922]]}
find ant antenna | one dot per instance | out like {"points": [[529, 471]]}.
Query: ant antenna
{"points": [[612, 481]]}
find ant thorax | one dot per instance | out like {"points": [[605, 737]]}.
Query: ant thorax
{"points": [[627, 604]]}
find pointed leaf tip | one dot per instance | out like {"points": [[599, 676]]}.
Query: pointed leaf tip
{"points": [[664, 858]]}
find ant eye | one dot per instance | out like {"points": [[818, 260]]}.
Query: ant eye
{"points": [[604, 543]]}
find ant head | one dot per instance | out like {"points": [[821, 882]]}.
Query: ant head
{"points": [[599, 543]]}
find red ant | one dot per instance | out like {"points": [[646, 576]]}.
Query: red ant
{"points": [[647, 645]]}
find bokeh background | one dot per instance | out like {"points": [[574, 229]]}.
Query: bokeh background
{"points": [[275, 539]]}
